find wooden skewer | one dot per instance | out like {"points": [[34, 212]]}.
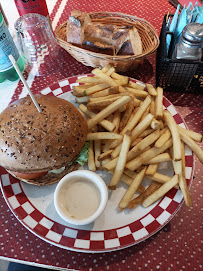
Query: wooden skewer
{"points": [[24, 82]]}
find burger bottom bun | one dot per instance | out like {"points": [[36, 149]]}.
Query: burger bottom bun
{"points": [[49, 178]]}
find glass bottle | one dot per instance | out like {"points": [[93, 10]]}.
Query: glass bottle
{"points": [[32, 6], [191, 43], [7, 47], [5, 19]]}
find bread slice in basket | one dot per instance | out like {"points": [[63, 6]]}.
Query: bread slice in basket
{"points": [[102, 38], [76, 27], [133, 46]]}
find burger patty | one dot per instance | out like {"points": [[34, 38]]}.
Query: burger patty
{"points": [[50, 177], [28, 176]]}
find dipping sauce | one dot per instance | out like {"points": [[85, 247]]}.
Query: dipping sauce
{"points": [[80, 198]]}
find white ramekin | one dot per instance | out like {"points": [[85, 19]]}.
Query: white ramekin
{"points": [[69, 178]]}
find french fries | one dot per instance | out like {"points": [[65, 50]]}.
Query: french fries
{"points": [[155, 124], [91, 161], [110, 71], [131, 155], [107, 97], [152, 169], [116, 120], [104, 155], [160, 191], [195, 136], [146, 132], [89, 80], [163, 157], [159, 103], [163, 138], [97, 151], [136, 85], [106, 68], [130, 135], [131, 190], [152, 109], [182, 180], [100, 104], [106, 78], [138, 92], [130, 173], [121, 161], [152, 91], [106, 92], [158, 177], [105, 123], [137, 116], [136, 141], [147, 141], [175, 135], [127, 180], [103, 135], [96, 88], [147, 155], [192, 145], [107, 111], [81, 100], [144, 116], [126, 115], [122, 79], [138, 200], [116, 151], [137, 131]]}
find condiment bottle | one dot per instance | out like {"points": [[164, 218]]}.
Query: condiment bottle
{"points": [[7, 47], [191, 43]]}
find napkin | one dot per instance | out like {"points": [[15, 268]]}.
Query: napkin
{"points": [[195, 13], [186, 2], [199, 18], [172, 28], [189, 14], [182, 21]]}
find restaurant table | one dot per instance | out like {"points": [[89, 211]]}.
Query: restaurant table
{"points": [[177, 246]]}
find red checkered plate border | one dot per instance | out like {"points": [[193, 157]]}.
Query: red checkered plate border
{"points": [[99, 239]]}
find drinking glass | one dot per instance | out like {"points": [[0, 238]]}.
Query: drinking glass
{"points": [[37, 44]]}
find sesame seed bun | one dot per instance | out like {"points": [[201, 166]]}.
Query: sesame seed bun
{"points": [[36, 142]]}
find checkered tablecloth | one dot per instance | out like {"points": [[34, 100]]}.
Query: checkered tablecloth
{"points": [[178, 245]]}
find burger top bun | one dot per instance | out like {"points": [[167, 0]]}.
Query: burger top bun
{"points": [[32, 142]]}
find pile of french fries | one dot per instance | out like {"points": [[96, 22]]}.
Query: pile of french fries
{"points": [[130, 135]]}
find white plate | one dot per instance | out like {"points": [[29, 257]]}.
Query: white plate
{"points": [[34, 206]]}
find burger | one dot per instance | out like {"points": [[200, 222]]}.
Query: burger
{"points": [[40, 148]]}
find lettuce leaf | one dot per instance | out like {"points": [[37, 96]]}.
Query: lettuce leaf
{"points": [[82, 156]]}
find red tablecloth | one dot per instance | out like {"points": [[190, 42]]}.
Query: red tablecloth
{"points": [[178, 245]]}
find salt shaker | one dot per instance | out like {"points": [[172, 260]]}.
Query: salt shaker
{"points": [[191, 43]]}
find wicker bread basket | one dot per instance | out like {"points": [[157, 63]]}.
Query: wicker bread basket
{"points": [[149, 38]]}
